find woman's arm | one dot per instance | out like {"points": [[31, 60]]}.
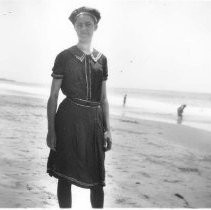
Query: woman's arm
{"points": [[105, 107], [51, 111]]}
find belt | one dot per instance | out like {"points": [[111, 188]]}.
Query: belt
{"points": [[83, 102]]}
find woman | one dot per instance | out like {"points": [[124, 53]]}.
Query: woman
{"points": [[79, 131]]}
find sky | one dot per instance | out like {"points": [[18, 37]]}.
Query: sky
{"points": [[150, 44]]}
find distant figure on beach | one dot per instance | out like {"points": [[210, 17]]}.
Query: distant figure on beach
{"points": [[180, 113], [124, 100], [79, 131]]}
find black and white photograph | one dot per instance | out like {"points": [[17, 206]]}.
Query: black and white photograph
{"points": [[105, 104]]}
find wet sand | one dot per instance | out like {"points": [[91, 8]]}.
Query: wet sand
{"points": [[151, 164]]}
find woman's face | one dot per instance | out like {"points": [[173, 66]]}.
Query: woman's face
{"points": [[85, 27]]}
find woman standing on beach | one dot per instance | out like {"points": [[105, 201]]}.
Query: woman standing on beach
{"points": [[79, 131]]}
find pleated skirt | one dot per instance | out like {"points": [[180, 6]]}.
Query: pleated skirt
{"points": [[79, 156]]}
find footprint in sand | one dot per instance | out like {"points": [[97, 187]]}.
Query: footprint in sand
{"points": [[20, 155], [28, 187], [34, 173], [120, 201], [154, 144], [23, 150], [145, 196], [45, 202], [188, 170], [133, 204], [49, 194], [145, 174], [171, 181], [118, 168], [10, 175]]}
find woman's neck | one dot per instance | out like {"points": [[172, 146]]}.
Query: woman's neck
{"points": [[85, 47]]}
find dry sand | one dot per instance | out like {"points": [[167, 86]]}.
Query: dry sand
{"points": [[159, 165], [151, 164]]}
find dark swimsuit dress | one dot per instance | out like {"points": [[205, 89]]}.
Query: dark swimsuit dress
{"points": [[79, 125]]}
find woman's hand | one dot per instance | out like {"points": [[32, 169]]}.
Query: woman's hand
{"points": [[107, 141], [51, 140]]}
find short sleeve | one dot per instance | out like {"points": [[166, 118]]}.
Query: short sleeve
{"points": [[105, 69], [58, 68]]}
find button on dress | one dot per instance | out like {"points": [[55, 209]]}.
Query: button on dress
{"points": [[79, 124]]}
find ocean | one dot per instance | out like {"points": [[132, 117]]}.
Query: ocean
{"points": [[157, 105], [162, 106]]}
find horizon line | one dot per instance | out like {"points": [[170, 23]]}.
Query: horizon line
{"points": [[111, 87]]}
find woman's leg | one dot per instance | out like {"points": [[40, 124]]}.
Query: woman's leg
{"points": [[97, 197], [64, 194]]}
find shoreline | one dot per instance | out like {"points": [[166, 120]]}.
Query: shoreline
{"points": [[113, 108], [180, 129], [121, 113]]}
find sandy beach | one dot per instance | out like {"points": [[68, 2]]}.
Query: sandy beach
{"points": [[151, 164]]}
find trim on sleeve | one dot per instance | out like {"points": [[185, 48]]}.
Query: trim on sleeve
{"points": [[57, 76]]}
